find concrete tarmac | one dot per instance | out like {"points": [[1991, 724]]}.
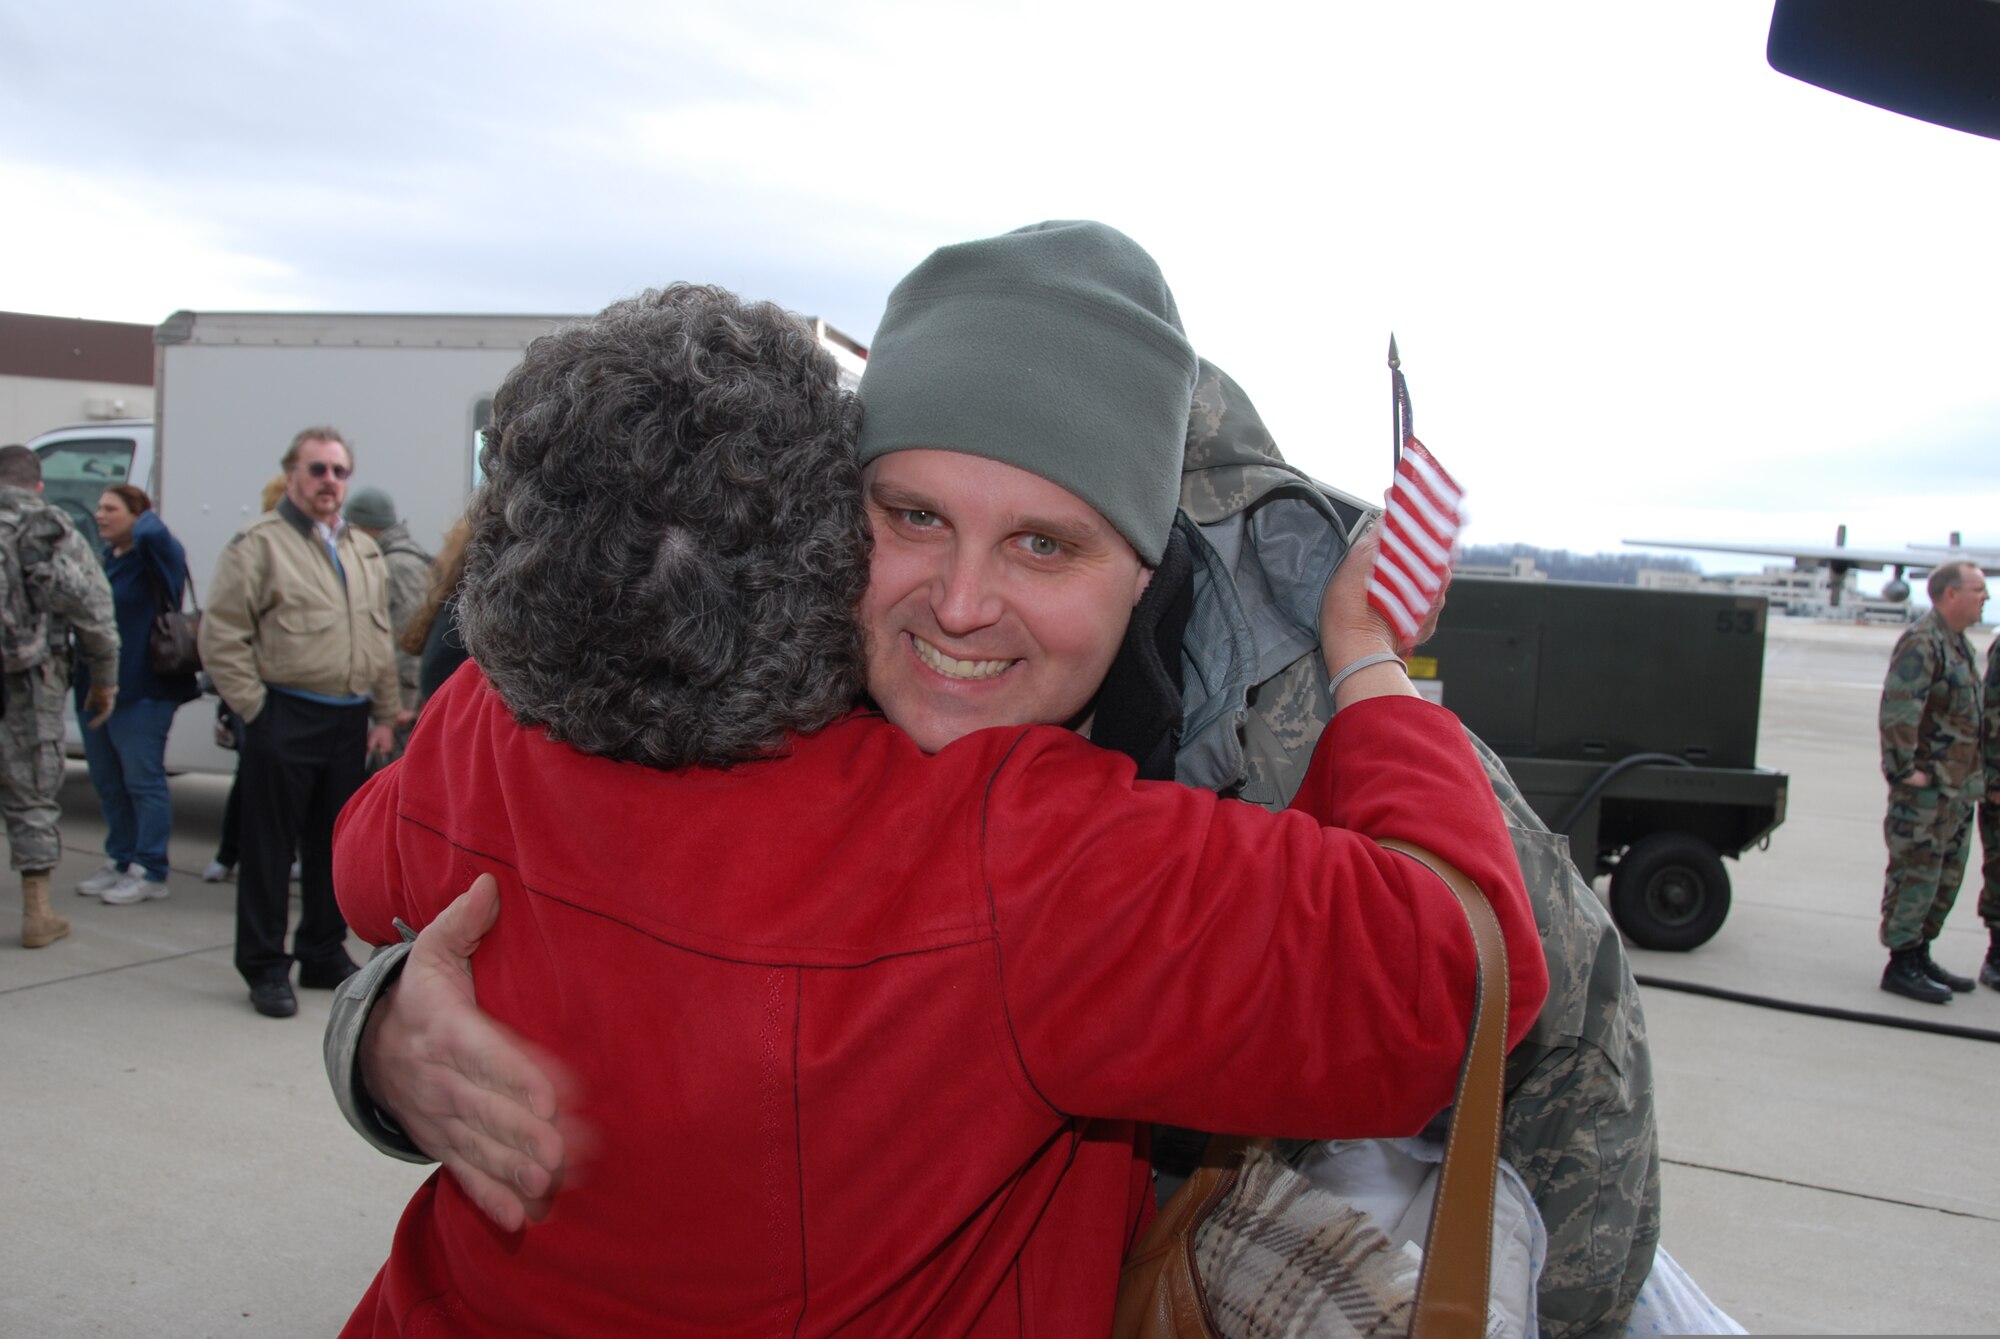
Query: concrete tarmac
{"points": [[172, 1162]]}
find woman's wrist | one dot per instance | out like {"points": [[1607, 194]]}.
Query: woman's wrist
{"points": [[1374, 673], [1357, 666]]}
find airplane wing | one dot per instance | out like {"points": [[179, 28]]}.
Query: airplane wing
{"points": [[1910, 559], [1988, 559]]}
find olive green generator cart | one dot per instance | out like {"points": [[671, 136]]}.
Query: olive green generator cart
{"points": [[1628, 717]]}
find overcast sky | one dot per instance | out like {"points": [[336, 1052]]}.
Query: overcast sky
{"points": [[1643, 284]]}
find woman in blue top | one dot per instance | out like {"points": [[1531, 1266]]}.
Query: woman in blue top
{"points": [[147, 568]]}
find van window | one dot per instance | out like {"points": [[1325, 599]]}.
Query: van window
{"points": [[75, 474], [482, 418]]}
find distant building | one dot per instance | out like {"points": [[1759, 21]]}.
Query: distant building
{"points": [[58, 369], [1517, 569], [1654, 578]]}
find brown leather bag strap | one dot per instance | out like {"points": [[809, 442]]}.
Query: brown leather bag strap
{"points": [[1458, 1249]]}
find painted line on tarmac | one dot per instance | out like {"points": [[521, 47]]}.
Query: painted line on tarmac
{"points": [[1831, 1190], [107, 971]]}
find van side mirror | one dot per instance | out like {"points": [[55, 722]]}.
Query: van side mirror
{"points": [[1936, 60]]}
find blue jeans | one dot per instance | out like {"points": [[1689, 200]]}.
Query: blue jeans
{"points": [[128, 766]]}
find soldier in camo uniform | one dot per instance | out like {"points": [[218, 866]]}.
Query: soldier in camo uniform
{"points": [[51, 585], [1929, 721], [1989, 819]]}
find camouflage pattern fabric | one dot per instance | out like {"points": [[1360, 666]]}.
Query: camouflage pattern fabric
{"points": [[1578, 1124], [1989, 733], [1929, 717], [1283, 724], [1989, 812], [1989, 846], [1927, 831], [409, 570], [31, 765], [1930, 722], [1230, 463], [52, 588]]}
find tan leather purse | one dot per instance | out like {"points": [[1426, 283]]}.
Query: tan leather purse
{"points": [[1160, 1293]]}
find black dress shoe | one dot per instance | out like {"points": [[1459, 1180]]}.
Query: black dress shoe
{"points": [[274, 998], [1989, 973], [328, 974], [1952, 981]]}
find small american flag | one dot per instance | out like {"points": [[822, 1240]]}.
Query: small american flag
{"points": [[1418, 528], [1419, 524]]}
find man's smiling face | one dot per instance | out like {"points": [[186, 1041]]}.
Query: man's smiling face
{"points": [[995, 597]]}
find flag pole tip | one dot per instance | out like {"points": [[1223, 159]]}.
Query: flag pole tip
{"points": [[1394, 360]]}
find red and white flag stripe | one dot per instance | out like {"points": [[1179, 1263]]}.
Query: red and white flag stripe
{"points": [[1419, 525]]}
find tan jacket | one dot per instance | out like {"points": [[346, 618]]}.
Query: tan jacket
{"points": [[278, 614]]}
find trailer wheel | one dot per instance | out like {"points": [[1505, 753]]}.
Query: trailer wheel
{"points": [[1670, 892]]}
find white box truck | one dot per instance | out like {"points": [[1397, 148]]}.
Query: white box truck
{"points": [[410, 393]]}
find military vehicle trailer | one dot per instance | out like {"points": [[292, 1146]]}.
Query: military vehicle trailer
{"points": [[1628, 717]]}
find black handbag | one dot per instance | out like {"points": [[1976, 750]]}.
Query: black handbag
{"points": [[173, 644]]}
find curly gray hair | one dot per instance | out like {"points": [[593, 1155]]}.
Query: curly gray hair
{"points": [[670, 543]]}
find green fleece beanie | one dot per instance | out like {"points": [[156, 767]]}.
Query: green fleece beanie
{"points": [[1055, 348]]}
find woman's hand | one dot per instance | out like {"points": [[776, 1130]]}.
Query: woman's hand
{"points": [[1351, 630], [467, 1091]]}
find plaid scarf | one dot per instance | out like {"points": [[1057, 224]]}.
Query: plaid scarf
{"points": [[1282, 1259]]}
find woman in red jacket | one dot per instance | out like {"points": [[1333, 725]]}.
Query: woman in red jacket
{"points": [[864, 1031]]}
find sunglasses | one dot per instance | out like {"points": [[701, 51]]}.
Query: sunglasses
{"points": [[319, 469]]}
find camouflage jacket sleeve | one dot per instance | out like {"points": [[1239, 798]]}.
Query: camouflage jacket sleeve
{"points": [[409, 582], [66, 581], [1913, 667], [1989, 731]]}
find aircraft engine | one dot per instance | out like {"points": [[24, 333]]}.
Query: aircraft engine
{"points": [[1896, 589]]}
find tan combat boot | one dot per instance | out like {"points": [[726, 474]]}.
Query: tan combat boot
{"points": [[40, 926]]}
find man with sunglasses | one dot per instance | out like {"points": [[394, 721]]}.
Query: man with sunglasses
{"points": [[296, 637]]}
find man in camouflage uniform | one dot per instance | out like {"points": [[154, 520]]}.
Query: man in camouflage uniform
{"points": [[1989, 819], [51, 585], [1929, 722]]}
